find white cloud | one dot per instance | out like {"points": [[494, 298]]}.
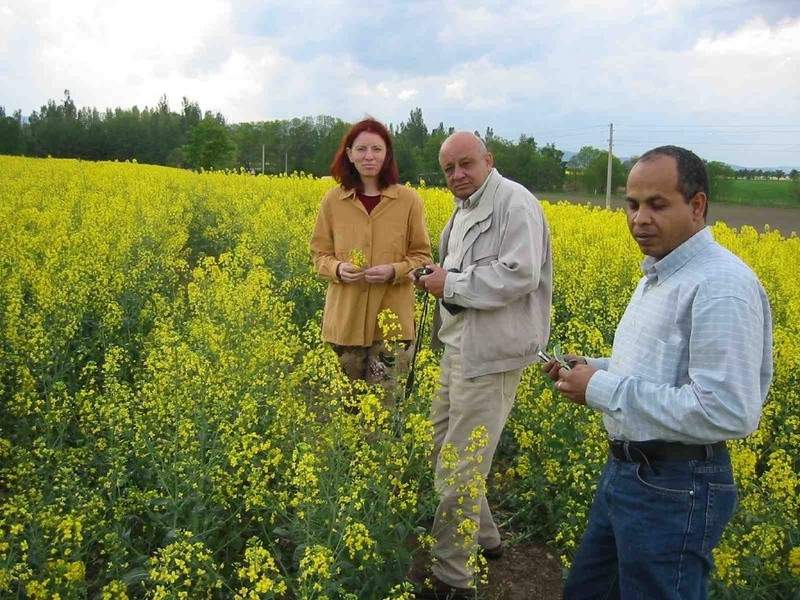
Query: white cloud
{"points": [[512, 66], [755, 39], [455, 90], [406, 95]]}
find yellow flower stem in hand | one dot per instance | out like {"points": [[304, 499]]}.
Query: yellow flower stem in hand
{"points": [[358, 259]]}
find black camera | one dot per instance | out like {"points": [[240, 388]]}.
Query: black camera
{"points": [[422, 271]]}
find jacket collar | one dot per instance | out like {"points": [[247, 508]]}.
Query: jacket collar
{"points": [[486, 199], [483, 213]]}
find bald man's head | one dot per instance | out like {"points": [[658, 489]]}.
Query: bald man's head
{"points": [[466, 163]]}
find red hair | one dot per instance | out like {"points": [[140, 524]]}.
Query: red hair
{"points": [[344, 172]]}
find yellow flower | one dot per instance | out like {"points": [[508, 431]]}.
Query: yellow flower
{"points": [[358, 259]]}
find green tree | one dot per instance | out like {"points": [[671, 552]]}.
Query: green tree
{"points": [[720, 180], [414, 131], [628, 164], [519, 162], [427, 161], [595, 175], [301, 139], [406, 160], [330, 132], [585, 156], [164, 133], [210, 145], [550, 170], [794, 186], [125, 134], [10, 133], [190, 114], [56, 130]]}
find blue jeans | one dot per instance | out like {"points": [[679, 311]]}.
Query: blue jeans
{"points": [[651, 530]]}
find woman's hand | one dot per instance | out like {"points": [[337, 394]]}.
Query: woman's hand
{"points": [[349, 273], [379, 274]]}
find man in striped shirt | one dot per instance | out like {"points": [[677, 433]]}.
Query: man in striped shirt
{"points": [[690, 368]]}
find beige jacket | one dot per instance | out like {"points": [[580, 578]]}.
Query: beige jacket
{"points": [[505, 281], [395, 233]]}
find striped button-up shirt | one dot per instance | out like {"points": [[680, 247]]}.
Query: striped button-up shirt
{"points": [[692, 355]]}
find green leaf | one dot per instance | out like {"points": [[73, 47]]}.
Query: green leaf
{"points": [[560, 357]]}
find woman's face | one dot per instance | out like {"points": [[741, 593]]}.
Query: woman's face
{"points": [[367, 154]]}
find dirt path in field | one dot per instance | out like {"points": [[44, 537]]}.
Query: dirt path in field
{"points": [[526, 572], [785, 220], [533, 571]]}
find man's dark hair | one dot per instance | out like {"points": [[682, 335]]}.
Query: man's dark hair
{"points": [[692, 173]]}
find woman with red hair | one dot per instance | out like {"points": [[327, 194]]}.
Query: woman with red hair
{"points": [[370, 233]]}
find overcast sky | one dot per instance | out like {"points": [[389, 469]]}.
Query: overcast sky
{"points": [[721, 77]]}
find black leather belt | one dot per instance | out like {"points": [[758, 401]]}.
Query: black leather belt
{"points": [[656, 450]]}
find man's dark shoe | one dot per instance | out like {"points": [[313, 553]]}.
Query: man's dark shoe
{"points": [[430, 587], [495, 553]]}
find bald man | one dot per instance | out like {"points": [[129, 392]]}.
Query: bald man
{"points": [[493, 315]]}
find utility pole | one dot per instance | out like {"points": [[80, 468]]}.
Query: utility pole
{"points": [[608, 174], [286, 162], [263, 146]]}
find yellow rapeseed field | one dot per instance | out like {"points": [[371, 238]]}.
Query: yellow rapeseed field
{"points": [[171, 425]]}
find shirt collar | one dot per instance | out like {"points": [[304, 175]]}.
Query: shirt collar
{"points": [[659, 270], [475, 198], [389, 192]]}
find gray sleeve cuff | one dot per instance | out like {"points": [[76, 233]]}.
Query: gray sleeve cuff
{"points": [[449, 285]]}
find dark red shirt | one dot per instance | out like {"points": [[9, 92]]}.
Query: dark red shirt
{"points": [[369, 202]]}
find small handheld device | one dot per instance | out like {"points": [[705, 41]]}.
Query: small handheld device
{"points": [[422, 271], [544, 356]]}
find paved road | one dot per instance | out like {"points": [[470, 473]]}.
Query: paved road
{"points": [[785, 220]]}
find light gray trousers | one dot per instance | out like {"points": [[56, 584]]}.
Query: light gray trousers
{"points": [[468, 417]]}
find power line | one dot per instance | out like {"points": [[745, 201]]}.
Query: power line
{"points": [[761, 127], [738, 144], [760, 150], [570, 130], [781, 132], [555, 137]]}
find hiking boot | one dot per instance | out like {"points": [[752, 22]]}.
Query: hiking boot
{"points": [[495, 553], [430, 587]]}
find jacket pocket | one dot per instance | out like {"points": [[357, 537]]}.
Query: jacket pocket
{"points": [[504, 333], [389, 243], [345, 239]]}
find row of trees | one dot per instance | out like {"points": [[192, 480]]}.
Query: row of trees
{"points": [[192, 139], [765, 174], [153, 136]]}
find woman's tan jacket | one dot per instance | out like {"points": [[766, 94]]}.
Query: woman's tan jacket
{"points": [[395, 233]]}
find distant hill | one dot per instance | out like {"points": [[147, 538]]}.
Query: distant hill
{"points": [[784, 169]]}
